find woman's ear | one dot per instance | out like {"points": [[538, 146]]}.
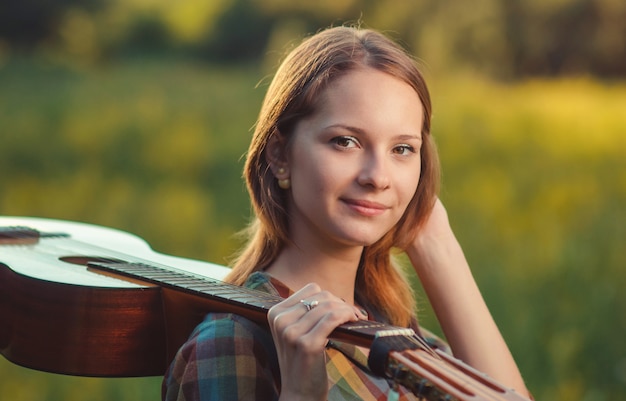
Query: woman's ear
{"points": [[276, 157]]}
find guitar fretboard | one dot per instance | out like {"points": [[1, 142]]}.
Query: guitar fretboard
{"points": [[233, 298]]}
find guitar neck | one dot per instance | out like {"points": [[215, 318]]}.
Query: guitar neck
{"points": [[229, 298]]}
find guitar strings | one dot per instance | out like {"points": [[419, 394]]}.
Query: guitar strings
{"points": [[423, 344]]}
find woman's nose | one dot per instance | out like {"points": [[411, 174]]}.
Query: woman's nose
{"points": [[374, 172]]}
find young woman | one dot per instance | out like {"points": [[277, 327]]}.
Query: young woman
{"points": [[341, 169]]}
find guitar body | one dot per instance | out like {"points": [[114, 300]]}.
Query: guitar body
{"points": [[57, 315]]}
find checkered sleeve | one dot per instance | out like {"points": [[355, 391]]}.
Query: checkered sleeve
{"points": [[227, 357]]}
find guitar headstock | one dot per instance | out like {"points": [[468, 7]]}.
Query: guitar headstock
{"points": [[433, 374]]}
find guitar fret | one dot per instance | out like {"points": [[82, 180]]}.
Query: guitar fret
{"points": [[184, 282], [170, 277], [190, 283], [200, 287]]}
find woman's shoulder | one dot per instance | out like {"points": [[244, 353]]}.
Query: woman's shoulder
{"points": [[262, 281], [227, 357], [224, 328]]}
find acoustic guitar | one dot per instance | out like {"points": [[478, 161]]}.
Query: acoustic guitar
{"points": [[85, 300]]}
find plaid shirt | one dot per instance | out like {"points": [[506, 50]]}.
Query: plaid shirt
{"points": [[228, 357]]}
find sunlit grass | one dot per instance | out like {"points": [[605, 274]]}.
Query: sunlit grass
{"points": [[22, 384]]}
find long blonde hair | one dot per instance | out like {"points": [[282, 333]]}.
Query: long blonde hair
{"points": [[291, 96]]}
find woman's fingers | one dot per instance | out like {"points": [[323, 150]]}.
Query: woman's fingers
{"points": [[300, 326], [309, 316]]}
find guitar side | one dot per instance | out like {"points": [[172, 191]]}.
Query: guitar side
{"points": [[59, 317], [79, 330]]}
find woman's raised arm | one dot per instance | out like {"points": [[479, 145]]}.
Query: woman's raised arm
{"points": [[464, 317]]}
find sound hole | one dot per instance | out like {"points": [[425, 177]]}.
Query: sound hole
{"points": [[83, 260]]}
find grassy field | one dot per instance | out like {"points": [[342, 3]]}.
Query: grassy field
{"points": [[534, 181]]}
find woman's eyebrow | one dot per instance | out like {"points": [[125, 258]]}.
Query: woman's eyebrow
{"points": [[408, 137], [361, 131], [346, 127]]}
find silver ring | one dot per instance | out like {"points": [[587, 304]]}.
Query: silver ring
{"points": [[309, 305]]}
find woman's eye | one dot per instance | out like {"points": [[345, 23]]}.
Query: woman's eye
{"points": [[403, 150], [346, 142]]}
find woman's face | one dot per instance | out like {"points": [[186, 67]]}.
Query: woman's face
{"points": [[355, 163]]}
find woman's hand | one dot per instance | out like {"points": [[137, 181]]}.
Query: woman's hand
{"points": [[300, 326], [435, 235], [435, 252]]}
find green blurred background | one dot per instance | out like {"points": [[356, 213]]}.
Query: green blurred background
{"points": [[135, 114]]}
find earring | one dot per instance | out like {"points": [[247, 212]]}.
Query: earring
{"points": [[284, 184]]}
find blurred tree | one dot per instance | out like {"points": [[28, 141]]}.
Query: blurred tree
{"points": [[560, 37], [26, 23], [147, 33], [500, 38], [240, 34]]}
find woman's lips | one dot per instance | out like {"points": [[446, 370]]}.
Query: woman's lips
{"points": [[366, 207]]}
